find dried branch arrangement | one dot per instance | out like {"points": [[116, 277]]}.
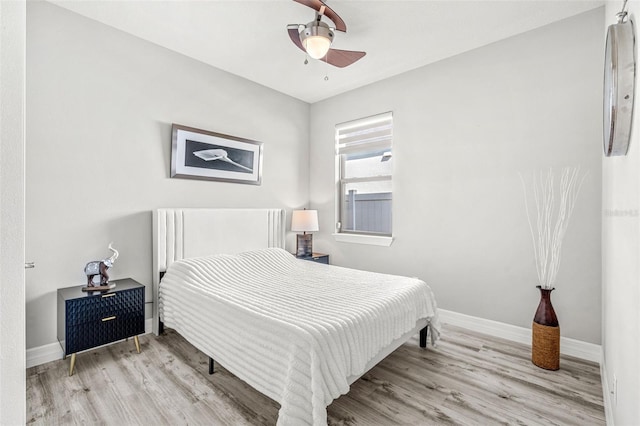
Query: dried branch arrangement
{"points": [[551, 222]]}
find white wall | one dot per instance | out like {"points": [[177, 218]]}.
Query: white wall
{"points": [[100, 104], [621, 263], [463, 129], [12, 308]]}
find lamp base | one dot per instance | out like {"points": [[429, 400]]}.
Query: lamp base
{"points": [[304, 245]]}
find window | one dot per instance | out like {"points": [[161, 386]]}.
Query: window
{"points": [[364, 169]]}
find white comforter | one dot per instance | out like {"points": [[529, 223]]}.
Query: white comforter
{"points": [[293, 329]]}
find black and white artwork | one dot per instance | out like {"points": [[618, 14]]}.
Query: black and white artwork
{"points": [[200, 154]]}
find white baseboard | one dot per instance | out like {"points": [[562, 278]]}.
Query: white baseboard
{"points": [[53, 351], [43, 354], [571, 347], [606, 394]]}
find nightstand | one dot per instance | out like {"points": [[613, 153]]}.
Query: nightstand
{"points": [[93, 318], [316, 257]]}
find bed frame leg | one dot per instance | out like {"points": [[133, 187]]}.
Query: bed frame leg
{"points": [[423, 337], [210, 365]]}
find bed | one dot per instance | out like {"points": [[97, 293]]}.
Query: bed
{"points": [[297, 331]]}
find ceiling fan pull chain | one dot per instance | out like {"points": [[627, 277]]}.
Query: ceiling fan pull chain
{"points": [[326, 64]]}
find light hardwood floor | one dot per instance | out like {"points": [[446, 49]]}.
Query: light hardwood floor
{"points": [[468, 379]]}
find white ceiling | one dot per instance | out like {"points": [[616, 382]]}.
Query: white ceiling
{"points": [[249, 38]]}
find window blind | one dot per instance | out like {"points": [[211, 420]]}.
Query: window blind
{"points": [[367, 134]]}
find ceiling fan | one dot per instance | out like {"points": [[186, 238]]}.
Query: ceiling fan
{"points": [[316, 37]]}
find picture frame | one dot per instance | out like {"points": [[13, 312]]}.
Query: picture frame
{"points": [[201, 154]]}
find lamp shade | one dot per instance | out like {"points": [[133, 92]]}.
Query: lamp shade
{"points": [[304, 220]]}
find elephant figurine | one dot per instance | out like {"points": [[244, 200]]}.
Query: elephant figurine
{"points": [[99, 267]]}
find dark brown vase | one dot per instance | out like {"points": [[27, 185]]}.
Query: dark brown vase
{"points": [[545, 343], [545, 315]]}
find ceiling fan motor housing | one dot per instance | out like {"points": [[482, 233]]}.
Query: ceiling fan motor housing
{"points": [[316, 29]]}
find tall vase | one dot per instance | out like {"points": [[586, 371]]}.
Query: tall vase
{"points": [[545, 344]]}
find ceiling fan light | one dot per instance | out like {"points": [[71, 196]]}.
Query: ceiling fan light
{"points": [[316, 38], [317, 46]]}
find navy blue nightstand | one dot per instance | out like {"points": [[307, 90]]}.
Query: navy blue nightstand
{"points": [[316, 257], [90, 319]]}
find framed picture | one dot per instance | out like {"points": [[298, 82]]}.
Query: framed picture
{"points": [[200, 154]]}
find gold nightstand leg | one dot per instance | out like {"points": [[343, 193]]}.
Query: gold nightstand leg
{"points": [[135, 339], [72, 364]]}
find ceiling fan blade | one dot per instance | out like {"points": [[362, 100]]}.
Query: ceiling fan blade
{"points": [[328, 12], [294, 35], [342, 58]]}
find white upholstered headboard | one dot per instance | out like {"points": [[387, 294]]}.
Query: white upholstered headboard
{"points": [[185, 233]]}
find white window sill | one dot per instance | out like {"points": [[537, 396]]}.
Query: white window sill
{"points": [[373, 240]]}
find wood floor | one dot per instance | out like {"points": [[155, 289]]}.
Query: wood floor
{"points": [[468, 379]]}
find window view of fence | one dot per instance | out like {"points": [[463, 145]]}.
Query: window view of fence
{"points": [[367, 212], [365, 170]]}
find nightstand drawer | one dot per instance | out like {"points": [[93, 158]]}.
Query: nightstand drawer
{"points": [[96, 333], [95, 308]]}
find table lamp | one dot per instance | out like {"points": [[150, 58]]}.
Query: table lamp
{"points": [[305, 221]]}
